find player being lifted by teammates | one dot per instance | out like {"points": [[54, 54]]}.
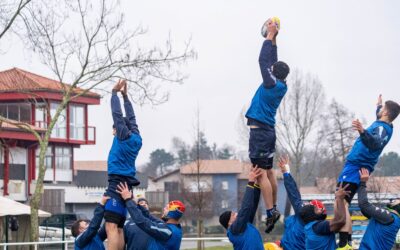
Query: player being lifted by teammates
{"points": [[261, 117], [365, 154]]}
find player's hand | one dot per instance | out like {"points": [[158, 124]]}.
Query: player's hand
{"points": [[104, 200], [358, 126], [341, 192], [364, 175], [123, 190], [117, 87], [379, 102], [124, 89], [283, 164], [272, 29], [255, 172]]}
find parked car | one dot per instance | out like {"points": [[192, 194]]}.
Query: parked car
{"points": [[62, 220]]}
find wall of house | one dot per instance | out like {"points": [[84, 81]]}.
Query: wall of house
{"points": [[225, 188], [159, 185]]}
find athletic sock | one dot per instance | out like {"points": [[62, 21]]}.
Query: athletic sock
{"points": [[274, 208], [269, 212], [343, 238], [349, 239]]}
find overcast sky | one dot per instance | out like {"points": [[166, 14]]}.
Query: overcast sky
{"points": [[352, 46]]}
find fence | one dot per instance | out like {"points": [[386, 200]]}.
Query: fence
{"points": [[68, 244]]}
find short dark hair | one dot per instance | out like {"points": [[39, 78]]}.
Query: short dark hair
{"points": [[224, 219], [75, 228], [280, 70], [393, 109]]}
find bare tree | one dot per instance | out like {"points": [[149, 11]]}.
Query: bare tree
{"points": [[89, 46], [298, 116], [10, 10]]}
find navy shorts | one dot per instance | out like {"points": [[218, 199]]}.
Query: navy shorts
{"points": [[262, 146], [115, 212]]}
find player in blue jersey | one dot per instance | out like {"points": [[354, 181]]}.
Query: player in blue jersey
{"points": [[121, 164], [384, 223], [136, 238], [365, 154], [88, 235], [241, 232], [293, 237], [164, 235], [320, 233], [261, 119]]}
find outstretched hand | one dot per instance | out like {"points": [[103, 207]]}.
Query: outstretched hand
{"points": [[283, 164], [364, 175], [124, 89], [255, 172], [123, 190], [379, 102], [341, 191], [117, 87], [358, 126], [104, 200], [272, 29]]}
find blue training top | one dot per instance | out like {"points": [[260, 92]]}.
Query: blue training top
{"points": [[249, 239], [318, 242], [293, 236], [366, 150], [379, 236], [126, 143], [271, 92]]}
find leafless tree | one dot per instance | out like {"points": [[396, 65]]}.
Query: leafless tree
{"points": [[298, 116], [10, 10], [89, 47]]}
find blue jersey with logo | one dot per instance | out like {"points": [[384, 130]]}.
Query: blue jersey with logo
{"points": [[318, 242], [250, 239], [379, 236], [366, 151]]}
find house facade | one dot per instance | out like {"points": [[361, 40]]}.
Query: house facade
{"points": [[33, 99]]}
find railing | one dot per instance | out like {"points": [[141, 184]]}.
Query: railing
{"points": [[70, 243]]}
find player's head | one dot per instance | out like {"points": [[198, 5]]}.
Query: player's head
{"points": [[394, 206], [79, 227], [143, 202], [227, 218], [174, 210], [312, 211], [390, 110], [280, 70]]}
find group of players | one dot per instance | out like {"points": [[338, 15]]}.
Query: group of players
{"points": [[306, 229]]}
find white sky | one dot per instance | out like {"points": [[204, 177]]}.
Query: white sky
{"points": [[353, 47]]}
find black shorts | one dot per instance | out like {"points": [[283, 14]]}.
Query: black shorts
{"points": [[115, 218], [262, 146], [353, 187]]}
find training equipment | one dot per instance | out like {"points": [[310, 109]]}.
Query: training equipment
{"points": [[264, 31]]}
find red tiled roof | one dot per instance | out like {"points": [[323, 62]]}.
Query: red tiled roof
{"points": [[90, 165], [17, 80]]}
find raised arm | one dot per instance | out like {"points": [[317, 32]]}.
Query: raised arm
{"points": [[247, 208], [339, 218], [268, 56], [257, 193], [119, 122], [130, 113], [147, 214], [383, 216], [290, 184], [378, 106], [159, 231], [375, 139], [93, 229]]}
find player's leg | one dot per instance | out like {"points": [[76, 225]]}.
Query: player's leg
{"points": [[346, 231], [274, 186], [114, 215], [112, 236]]}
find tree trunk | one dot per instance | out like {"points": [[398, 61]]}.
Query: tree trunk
{"points": [[200, 244]]}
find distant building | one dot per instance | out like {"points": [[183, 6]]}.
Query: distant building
{"points": [[223, 183]]}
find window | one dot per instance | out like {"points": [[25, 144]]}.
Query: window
{"points": [[16, 111], [224, 204], [60, 128], [171, 186], [41, 115], [225, 185], [77, 122], [47, 159], [63, 157]]}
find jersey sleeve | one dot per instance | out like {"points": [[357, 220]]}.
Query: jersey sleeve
{"points": [[243, 217], [376, 139], [322, 228], [130, 115], [292, 192], [266, 60], [119, 122], [86, 237]]}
